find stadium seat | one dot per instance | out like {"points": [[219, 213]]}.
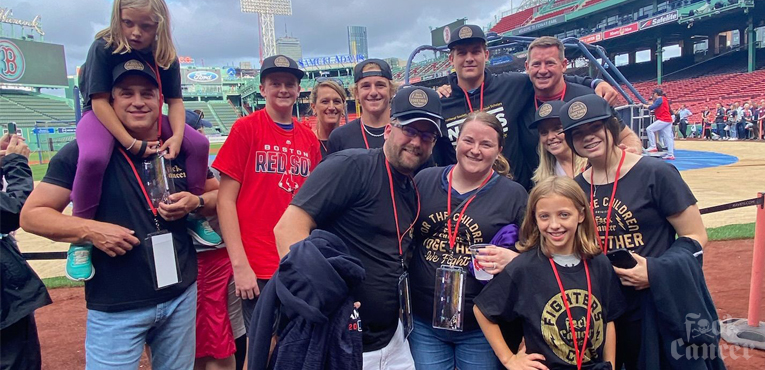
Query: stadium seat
{"points": [[513, 21], [700, 92], [225, 113], [40, 106]]}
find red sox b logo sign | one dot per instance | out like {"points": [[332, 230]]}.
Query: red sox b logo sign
{"points": [[11, 62]]}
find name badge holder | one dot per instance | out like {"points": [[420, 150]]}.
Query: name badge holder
{"points": [[163, 258], [160, 249], [449, 298], [405, 304]]}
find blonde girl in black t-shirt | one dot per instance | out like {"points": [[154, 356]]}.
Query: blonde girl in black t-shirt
{"points": [[560, 287]]}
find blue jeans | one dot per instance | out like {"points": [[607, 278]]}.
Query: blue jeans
{"points": [[438, 349], [115, 340]]}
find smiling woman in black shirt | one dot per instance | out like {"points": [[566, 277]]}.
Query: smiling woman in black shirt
{"points": [[641, 204], [462, 205]]}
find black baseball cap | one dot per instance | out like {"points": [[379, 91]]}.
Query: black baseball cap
{"points": [[414, 103], [584, 109], [468, 32], [133, 67], [548, 110], [359, 73], [280, 63]]}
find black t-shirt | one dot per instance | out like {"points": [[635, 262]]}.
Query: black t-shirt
{"points": [[527, 290], [348, 194], [498, 204], [96, 73], [350, 136], [650, 192], [126, 282]]}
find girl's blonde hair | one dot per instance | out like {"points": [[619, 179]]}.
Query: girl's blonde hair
{"points": [[547, 163], [585, 239], [162, 48], [501, 165]]}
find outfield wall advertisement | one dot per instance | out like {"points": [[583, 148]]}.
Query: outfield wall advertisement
{"points": [[32, 63]]}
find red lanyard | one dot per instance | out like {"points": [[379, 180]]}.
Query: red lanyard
{"points": [[364, 134], [562, 95], [467, 97], [604, 245], [453, 236], [579, 352], [395, 212]]}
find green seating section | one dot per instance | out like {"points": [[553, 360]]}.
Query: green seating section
{"points": [[225, 112], [25, 109]]}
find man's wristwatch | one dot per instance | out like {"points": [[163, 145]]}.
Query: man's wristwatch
{"points": [[201, 203]]}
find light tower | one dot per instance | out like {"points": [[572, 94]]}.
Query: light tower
{"points": [[266, 10]]}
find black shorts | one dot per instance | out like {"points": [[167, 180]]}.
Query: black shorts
{"points": [[21, 346]]}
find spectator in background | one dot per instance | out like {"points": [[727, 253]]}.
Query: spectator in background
{"points": [[196, 120], [730, 126], [684, 113], [662, 125], [720, 116], [747, 122], [21, 291], [739, 125], [706, 123], [760, 119]]}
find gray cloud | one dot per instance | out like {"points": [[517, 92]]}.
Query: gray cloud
{"points": [[216, 31]]}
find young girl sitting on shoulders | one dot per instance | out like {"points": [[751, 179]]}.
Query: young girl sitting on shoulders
{"points": [[561, 287], [139, 37]]}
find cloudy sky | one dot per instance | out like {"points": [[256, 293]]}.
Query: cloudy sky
{"points": [[216, 31]]}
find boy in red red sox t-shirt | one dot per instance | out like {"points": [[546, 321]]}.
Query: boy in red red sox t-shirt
{"points": [[263, 163]]}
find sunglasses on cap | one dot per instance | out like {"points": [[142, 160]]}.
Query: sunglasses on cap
{"points": [[330, 79], [411, 132]]}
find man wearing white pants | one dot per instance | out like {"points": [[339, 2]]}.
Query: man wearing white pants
{"points": [[662, 125]]}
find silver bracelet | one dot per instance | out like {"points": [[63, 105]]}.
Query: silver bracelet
{"points": [[131, 144]]}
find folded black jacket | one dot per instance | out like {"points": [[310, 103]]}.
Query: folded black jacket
{"points": [[308, 304], [680, 317]]}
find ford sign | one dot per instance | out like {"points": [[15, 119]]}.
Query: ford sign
{"points": [[202, 76]]}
